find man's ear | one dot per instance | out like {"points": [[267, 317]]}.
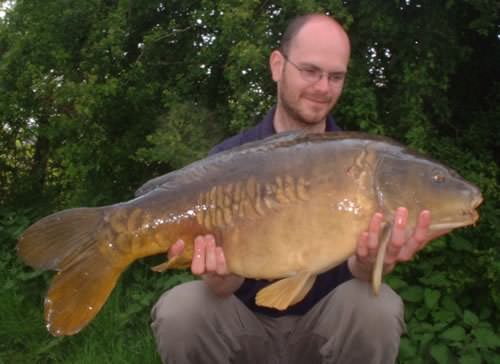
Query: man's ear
{"points": [[276, 63]]}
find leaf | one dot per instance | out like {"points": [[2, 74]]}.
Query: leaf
{"points": [[449, 304], [470, 358], [436, 280], [407, 349], [444, 316], [426, 338], [439, 326], [486, 338], [440, 353], [490, 357], [413, 294], [421, 313], [461, 244], [485, 313], [470, 318], [431, 297], [454, 333], [420, 327], [396, 283]]}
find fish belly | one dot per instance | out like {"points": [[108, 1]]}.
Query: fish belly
{"points": [[307, 236]]}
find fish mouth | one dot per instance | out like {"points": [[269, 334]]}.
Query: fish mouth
{"points": [[451, 225], [478, 200], [474, 215], [466, 218]]}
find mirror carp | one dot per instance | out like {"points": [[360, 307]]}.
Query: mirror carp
{"points": [[285, 208]]}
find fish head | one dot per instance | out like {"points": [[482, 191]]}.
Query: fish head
{"points": [[417, 183]]}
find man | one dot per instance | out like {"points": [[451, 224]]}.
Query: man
{"points": [[215, 320]]}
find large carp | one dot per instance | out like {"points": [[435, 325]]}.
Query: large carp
{"points": [[286, 208]]}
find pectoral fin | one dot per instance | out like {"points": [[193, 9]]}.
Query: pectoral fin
{"points": [[178, 262], [285, 292], [384, 238], [181, 261]]}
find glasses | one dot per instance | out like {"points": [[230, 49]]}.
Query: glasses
{"points": [[313, 74]]}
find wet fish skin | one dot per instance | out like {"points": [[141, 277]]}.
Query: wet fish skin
{"points": [[288, 207]]}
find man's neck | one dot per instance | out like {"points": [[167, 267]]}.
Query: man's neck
{"points": [[283, 122]]}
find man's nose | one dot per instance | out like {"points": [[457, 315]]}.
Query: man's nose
{"points": [[322, 84]]}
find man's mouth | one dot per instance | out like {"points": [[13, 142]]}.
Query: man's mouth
{"points": [[318, 100]]}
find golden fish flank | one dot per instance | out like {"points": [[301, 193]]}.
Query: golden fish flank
{"points": [[246, 200], [286, 209]]}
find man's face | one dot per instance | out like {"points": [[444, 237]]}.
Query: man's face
{"points": [[319, 46]]}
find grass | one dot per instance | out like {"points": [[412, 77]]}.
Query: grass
{"points": [[119, 334]]}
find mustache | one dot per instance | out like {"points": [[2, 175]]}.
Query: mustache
{"points": [[319, 97]]}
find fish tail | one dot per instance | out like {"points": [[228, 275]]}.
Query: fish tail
{"points": [[78, 244], [53, 241], [78, 292]]}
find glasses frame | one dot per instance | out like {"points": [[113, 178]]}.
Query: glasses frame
{"points": [[314, 74]]}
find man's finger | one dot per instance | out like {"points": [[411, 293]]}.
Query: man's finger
{"points": [[176, 249], [419, 238], [421, 235], [362, 248], [373, 234], [198, 263], [210, 261], [221, 261], [398, 236]]}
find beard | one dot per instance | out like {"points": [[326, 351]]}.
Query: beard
{"points": [[297, 112]]}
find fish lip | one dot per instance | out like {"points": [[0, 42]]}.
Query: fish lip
{"points": [[474, 215], [449, 225], [469, 217], [478, 200]]}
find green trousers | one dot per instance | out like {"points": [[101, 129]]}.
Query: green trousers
{"points": [[348, 326]]}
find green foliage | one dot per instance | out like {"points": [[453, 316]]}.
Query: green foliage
{"points": [[184, 135], [450, 303], [100, 96], [120, 333]]}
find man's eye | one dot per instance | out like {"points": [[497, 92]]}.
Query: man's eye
{"points": [[336, 77], [311, 72]]}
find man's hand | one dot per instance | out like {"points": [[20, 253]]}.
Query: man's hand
{"points": [[400, 248], [210, 263]]}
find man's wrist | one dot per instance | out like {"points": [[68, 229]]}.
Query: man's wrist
{"points": [[223, 285], [364, 271], [359, 270]]}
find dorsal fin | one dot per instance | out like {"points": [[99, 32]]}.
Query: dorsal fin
{"points": [[197, 168]]}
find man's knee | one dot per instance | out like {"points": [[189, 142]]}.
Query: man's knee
{"points": [[177, 315], [190, 321], [184, 306], [384, 311]]}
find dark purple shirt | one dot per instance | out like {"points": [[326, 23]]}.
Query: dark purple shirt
{"points": [[325, 282]]}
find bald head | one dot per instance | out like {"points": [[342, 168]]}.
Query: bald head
{"points": [[309, 69], [304, 21]]}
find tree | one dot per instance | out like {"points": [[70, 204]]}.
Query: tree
{"points": [[99, 96]]}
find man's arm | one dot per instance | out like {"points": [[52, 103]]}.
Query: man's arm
{"points": [[400, 248]]}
